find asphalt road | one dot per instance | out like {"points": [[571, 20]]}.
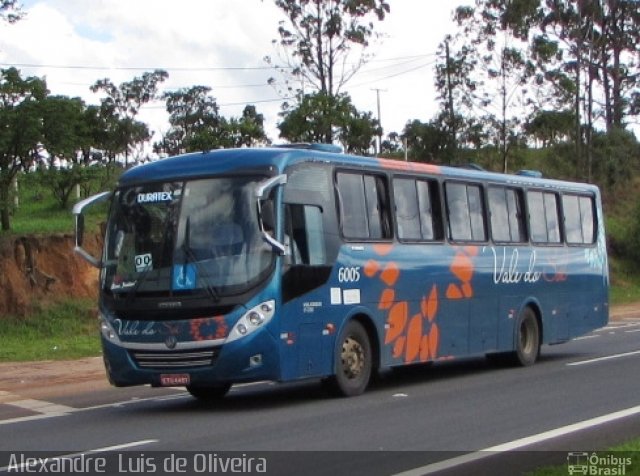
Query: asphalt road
{"points": [[463, 417]]}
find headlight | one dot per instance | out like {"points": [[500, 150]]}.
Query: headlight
{"points": [[252, 320], [107, 330]]}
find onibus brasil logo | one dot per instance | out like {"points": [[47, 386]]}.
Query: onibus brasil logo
{"points": [[595, 464]]}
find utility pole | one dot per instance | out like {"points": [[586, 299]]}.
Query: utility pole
{"points": [[377, 90], [452, 117]]}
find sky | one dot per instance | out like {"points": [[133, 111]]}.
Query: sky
{"points": [[220, 44]]}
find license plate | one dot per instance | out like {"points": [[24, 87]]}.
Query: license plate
{"points": [[175, 380]]}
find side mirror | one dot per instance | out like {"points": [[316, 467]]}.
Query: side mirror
{"points": [[266, 213], [77, 211]]}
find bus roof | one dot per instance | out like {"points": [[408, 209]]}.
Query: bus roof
{"points": [[223, 161]]}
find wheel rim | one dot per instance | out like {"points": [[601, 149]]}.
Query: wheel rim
{"points": [[527, 337], [353, 358]]}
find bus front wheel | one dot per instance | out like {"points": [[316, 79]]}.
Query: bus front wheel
{"points": [[208, 394], [353, 362], [527, 338]]}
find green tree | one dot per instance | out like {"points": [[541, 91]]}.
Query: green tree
{"points": [[551, 127], [314, 118], [123, 104], [196, 123], [247, 130], [192, 111], [65, 135], [616, 158], [358, 132], [426, 142], [494, 45], [64, 129], [318, 116], [324, 43], [20, 130]]}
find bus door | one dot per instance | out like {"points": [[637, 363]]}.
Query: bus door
{"points": [[312, 245]]}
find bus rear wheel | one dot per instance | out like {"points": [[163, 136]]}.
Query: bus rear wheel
{"points": [[353, 362], [208, 394], [527, 339]]}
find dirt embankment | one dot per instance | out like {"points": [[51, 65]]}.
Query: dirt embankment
{"points": [[37, 269]]}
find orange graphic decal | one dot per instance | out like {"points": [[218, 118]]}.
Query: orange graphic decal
{"points": [[208, 328], [434, 340], [414, 336], [382, 249], [424, 348], [371, 267], [430, 304], [462, 267], [467, 290], [390, 274], [418, 338], [453, 292], [398, 347], [397, 320], [409, 166], [386, 298]]}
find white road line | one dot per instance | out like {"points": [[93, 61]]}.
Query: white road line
{"points": [[27, 467], [601, 359], [521, 443], [64, 410], [587, 337], [133, 444], [632, 332], [41, 406]]}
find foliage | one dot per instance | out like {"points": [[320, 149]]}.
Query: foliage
{"points": [[426, 141], [318, 117], [616, 159], [64, 127], [20, 130], [10, 11], [484, 81], [121, 106], [551, 127], [40, 212], [62, 182], [318, 40], [248, 130], [66, 330], [196, 123], [319, 37]]}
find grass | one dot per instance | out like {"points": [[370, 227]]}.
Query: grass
{"points": [[628, 453], [39, 213], [625, 281], [60, 331]]}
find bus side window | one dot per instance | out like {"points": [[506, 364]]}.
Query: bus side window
{"points": [[407, 215], [465, 210], [543, 217], [305, 233], [416, 209], [507, 219], [587, 214], [364, 206], [578, 219]]}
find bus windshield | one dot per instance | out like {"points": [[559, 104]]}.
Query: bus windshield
{"points": [[193, 237]]}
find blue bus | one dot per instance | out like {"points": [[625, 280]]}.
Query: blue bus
{"points": [[289, 263]]}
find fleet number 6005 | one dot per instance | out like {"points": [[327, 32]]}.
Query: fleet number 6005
{"points": [[349, 274]]}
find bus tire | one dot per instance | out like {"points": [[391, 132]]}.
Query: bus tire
{"points": [[209, 394], [527, 339], [353, 363]]}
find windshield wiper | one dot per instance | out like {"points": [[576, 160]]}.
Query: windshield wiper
{"points": [[131, 295], [188, 253]]}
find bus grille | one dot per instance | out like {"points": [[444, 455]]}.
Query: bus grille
{"points": [[175, 359]]}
